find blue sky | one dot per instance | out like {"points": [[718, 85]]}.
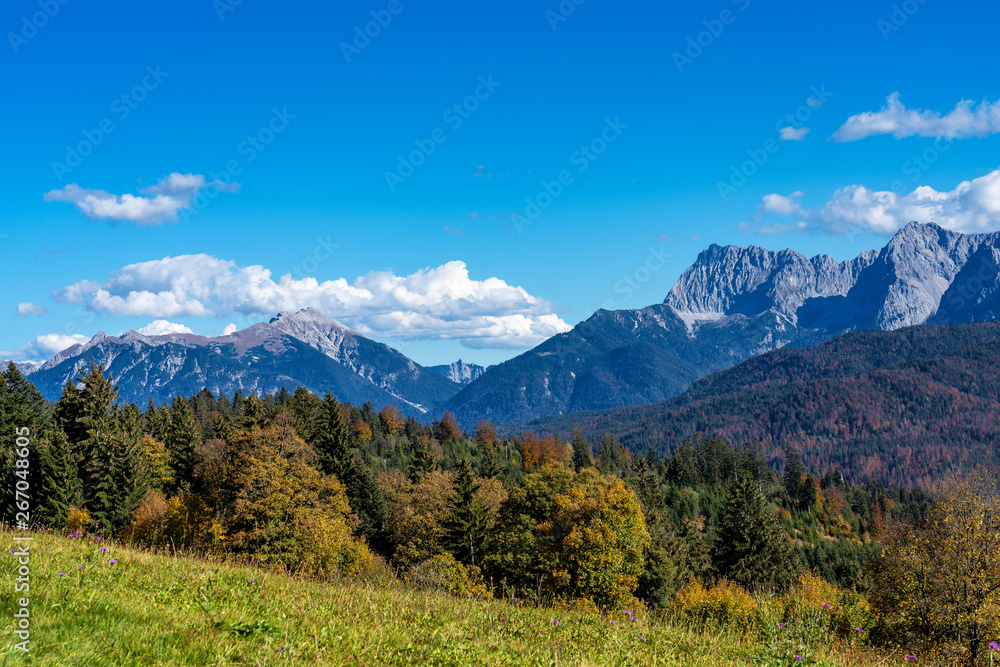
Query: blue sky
{"points": [[644, 110]]}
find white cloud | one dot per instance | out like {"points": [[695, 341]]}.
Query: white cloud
{"points": [[964, 121], [162, 328], [26, 308], [231, 328], [44, 347], [169, 195], [433, 303], [973, 207], [794, 134]]}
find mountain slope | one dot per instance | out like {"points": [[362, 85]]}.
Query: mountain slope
{"points": [[305, 349], [902, 405], [459, 371], [734, 303]]}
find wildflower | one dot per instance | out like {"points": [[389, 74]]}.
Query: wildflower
{"points": [[79, 569], [858, 630], [72, 535], [995, 646], [555, 621], [514, 599], [911, 657], [61, 574], [798, 657], [612, 620], [626, 612], [781, 625], [104, 549], [642, 638], [112, 561], [826, 605]]}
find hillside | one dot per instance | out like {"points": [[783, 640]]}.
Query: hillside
{"points": [[901, 405], [132, 608]]}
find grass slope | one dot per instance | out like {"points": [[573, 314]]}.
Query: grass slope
{"points": [[150, 609]]}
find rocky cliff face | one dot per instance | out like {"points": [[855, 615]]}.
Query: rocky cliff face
{"points": [[459, 371], [734, 303]]}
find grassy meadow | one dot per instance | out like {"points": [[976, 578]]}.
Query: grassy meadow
{"points": [[156, 609]]}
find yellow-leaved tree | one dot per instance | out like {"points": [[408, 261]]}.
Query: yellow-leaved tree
{"points": [[938, 582], [594, 541]]}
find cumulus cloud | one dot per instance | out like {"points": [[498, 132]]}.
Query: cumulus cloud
{"points": [[165, 199], [231, 328], [433, 303], [44, 347], [162, 328], [26, 308], [964, 121], [794, 134], [972, 207]]}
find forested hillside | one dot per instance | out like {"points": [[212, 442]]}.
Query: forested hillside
{"points": [[902, 406]]}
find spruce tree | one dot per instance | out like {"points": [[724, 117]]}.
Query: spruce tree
{"points": [[422, 462], [794, 470], [57, 487], [183, 436], [465, 526], [331, 441], [751, 548], [581, 450], [21, 407], [253, 413]]}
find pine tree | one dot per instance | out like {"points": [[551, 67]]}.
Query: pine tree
{"points": [[331, 441], [751, 548], [253, 413], [697, 559], [332, 438], [465, 526], [611, 456], [581, 450], [794, 470], [183, 436], [57, 487], [422, 462], [23, 413]]}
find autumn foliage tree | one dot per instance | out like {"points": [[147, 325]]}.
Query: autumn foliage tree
{"points": [[938, 582]]}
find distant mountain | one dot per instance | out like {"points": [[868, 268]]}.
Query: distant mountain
{"points": [[899, 405], [734, 303], [304, 349], [26, 367], [459, 371]]}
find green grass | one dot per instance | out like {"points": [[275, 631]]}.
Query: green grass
{"points": [[150, 609]]}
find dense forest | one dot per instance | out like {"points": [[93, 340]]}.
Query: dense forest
{"points": [[901, 406]]}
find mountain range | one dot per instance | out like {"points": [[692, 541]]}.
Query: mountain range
{"points": [[732, 304]]}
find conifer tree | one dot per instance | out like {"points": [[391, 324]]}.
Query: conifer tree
{"points": [[57, 487], [794, 470], [422, 462], [611, 456], [752, 549], [581, 450], [253, 413], [465, 527], [21, 407], [331, 441], [183, 436]]}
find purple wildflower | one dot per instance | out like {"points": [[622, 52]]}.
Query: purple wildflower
{"points": [[642, 638], [911, 657], [994, 646], [112, 561], [826, 605], [798, 657], [858, 630], [104, 549], [79, 569], [781, 625], [61, 574]]}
